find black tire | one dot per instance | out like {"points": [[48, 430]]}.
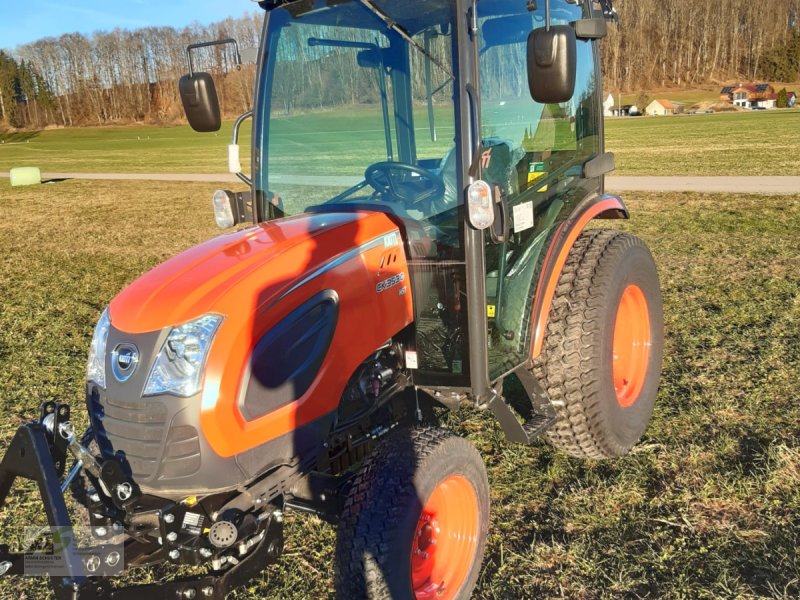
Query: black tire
{"points": [[576, 364], [379, 523]]}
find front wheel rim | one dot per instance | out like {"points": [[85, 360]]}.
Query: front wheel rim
{"points": [[445, 540], [631, 346]]}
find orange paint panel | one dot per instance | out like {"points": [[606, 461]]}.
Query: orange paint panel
{"points": [[546, 289], [367, 319], [255, 278]]}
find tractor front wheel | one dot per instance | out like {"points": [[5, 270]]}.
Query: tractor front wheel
{"points": [[601, 361], [415, 520]]}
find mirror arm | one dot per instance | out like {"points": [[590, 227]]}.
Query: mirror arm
{"points": [[191, 47], [547, 15], [242, 118]]}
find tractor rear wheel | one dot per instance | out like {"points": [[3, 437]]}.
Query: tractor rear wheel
{"points": [[415, 520], [601, 360]]}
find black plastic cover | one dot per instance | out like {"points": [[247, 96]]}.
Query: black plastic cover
{"points": [[200, 102], [287, 359], [552, 63]]}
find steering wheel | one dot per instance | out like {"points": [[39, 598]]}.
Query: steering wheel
{"points": [[407, 183]]}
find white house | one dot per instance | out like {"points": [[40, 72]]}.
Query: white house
{"points": [[661, 108]]}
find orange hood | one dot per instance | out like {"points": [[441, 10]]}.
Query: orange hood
{"points": [[241, 271]]}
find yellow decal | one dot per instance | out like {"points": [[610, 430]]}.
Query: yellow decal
{"points": [[491, 311]]}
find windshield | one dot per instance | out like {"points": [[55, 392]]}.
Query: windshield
{"points": [[357, 108]]}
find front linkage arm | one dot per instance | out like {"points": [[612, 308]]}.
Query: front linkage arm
{"points": [[38, 452]]}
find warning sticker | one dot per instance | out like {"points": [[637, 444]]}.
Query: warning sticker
{"points": [[523, 216], [193, 523], [411, 360]]}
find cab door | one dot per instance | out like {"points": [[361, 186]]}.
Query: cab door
{"points": [[534, 154]]}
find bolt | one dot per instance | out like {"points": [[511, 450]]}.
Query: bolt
{"points": [[172, 536], [94, 497], [278, 516], [116, 527], [205, 552], [67, 430], [100, 531], [208, 591], [112, 559], [169, 518], [424, 556], [189, 593], [92, 563], [124, 491], [174, 554]]}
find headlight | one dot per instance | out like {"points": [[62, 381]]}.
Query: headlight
{"points": [[179, 365], [96, 366]]}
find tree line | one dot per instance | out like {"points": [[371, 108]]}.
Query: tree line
{"points": [[121, 76], [125, 76], [685, 42]]}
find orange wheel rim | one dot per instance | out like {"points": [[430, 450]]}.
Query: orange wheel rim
{"points": [[445, 540], [632, 341]]}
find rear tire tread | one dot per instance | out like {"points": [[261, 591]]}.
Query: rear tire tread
{"points": [[566, 365]]}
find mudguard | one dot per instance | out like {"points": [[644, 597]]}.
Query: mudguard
{"points": [[594, 207]]}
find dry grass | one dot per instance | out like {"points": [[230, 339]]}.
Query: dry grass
{"points": [[708, 506]]}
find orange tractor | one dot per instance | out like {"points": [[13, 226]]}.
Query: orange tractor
{"points": [[423, 174]]}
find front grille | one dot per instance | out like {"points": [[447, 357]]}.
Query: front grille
{"points": [[182, 454], [135, 430]]}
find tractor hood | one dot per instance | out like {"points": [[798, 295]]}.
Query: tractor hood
{"points": [[241, 271]]}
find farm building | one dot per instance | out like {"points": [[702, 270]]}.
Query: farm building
{"points": [[626, 110], [661, 108], [750, 95], [608, 105]]}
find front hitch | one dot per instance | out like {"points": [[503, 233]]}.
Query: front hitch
{"points": [[38, 452]]}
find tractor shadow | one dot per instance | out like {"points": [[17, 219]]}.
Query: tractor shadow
{"points": [[305, 450]]}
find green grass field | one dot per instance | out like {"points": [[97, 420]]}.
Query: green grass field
{"points": [[707, 506], [687, 145]]}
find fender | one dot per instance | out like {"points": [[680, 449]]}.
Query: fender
{"points": [[594, 207]]}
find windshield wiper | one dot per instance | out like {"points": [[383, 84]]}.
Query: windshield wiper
{"points": [[392, 24]]}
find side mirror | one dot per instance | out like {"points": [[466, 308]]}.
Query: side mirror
{"points": [[200, 102], [552, 63]]}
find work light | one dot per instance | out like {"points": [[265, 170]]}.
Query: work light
{"points": [[223, 204], [479, 204]]}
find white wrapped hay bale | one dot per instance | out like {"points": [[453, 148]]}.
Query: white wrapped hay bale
{"points": [[25, 176]]}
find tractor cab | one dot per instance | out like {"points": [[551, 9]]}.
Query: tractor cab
{"points": [[400, 108]]}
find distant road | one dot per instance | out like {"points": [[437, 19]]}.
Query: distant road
{"points": [[723, 185]]}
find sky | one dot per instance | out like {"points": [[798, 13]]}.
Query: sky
{"points": [[25, 21]]}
